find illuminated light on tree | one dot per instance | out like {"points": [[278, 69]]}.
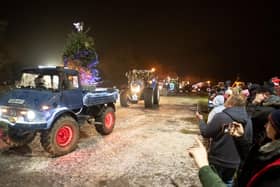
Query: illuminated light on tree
{"points": [[79, 54]]}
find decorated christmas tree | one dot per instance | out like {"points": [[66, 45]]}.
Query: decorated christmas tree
{"points": [[79, 53]]}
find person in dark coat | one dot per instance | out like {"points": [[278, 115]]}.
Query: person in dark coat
{"points": [[223, 154], [262, 166], [260, 105]]}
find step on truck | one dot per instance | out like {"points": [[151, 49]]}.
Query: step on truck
{"points": [[52, 102]]}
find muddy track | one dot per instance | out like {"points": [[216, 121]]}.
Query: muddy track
{"points": [[146, 148]]}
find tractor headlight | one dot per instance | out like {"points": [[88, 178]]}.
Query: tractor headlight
{"points": [[30, 115], [135, 89]]}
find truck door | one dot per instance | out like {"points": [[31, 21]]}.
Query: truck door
{"points": [[72, 95]]}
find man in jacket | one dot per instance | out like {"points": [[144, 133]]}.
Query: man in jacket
{"points": [[223, 154]]}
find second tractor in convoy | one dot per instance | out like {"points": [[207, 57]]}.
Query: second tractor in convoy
{"points": [[142, 85]]}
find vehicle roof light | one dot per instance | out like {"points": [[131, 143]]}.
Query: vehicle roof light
{"points": [[42, 67]]}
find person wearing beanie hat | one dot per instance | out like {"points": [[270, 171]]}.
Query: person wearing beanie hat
{"points": [[218, 104]]}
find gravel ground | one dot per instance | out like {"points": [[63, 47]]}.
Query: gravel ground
{"points": [[146, 148]]}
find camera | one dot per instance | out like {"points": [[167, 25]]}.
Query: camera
{"points": [[227, 127]]}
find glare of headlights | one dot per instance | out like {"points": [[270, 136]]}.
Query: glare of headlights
{"points": [[135, 89], [3, 110], [30, 115]]}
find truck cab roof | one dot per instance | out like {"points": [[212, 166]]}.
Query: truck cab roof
{"points": [[50, 70]]}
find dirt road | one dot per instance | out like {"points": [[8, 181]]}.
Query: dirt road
{"points": [[146, 148]]}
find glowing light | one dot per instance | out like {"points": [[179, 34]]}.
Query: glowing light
{"points": [[30, 115], [45, 107], [87, 76]]}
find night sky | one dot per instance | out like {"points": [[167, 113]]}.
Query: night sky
{"points": [[210, 40]]}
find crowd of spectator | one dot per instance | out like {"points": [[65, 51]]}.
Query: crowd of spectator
{"points": [[243, 128]]}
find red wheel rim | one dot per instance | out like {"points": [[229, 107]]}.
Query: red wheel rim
{"points": [[64, 136], [109, 120]]}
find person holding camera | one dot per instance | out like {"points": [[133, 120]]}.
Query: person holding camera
{"points": [[262, 166], [223, 153]]}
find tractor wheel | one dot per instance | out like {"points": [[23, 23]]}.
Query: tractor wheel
{"points": [[17, 137], [62, 138], [124, 99], [106, 121], [156, 96], [148, 97]]}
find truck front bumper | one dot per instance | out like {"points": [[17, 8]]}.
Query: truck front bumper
{"points": [[5, 124]]}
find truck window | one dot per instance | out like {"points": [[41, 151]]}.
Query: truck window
{"points": [[31, 80], [71, 82]]}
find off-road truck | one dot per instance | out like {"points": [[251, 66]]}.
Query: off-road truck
{"points": [[52, 102]]}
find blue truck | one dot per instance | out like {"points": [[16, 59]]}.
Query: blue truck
{"points": [[51, 101]]}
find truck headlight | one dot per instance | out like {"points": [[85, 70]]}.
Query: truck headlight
{"points": [[30, 115], [3, 111]]}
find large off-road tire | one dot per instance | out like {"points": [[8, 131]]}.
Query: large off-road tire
{"points": [[124, 98], [156, 96], [105, 123], [148, 97], [17, 137], [62, 138]]}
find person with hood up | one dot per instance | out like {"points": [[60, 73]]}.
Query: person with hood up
{"points": [[223, 154], [218, 103]]}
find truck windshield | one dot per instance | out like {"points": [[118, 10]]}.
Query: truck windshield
{"points": [[39, 81]]}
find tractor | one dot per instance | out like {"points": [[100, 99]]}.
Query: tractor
{"points": [[142, 85]]}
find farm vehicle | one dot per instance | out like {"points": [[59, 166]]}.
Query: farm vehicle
{"points": [[142, 85]]}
